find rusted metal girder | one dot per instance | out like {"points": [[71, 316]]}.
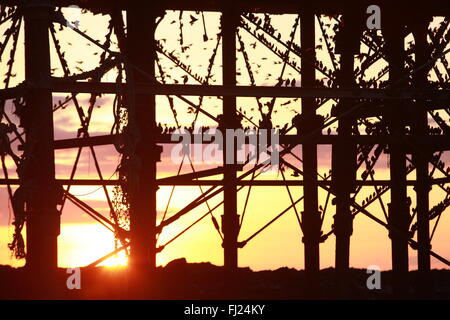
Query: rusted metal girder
{"points": [[180, 181], [305, 91], [344, 155], [37, 170], [230, 218], [311, 221], [399, 218], [432, 143], [423, 185], [432, 7], [141, 51]]}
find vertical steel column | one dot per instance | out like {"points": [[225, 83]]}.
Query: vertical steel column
{"points": [[398, 209], [230, 218], [310, 216], [344, 153], [38, 170], [420, 158], [141, 52]]}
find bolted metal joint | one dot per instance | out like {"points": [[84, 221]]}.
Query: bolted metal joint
{"points": [[306, 124]]}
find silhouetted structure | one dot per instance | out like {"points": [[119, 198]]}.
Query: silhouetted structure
{"points": [[402, 106]]}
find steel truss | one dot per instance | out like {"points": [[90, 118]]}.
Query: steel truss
{"points": [[402, 111]]}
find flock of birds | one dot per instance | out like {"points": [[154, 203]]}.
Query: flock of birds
{"points": [[167, 129]]}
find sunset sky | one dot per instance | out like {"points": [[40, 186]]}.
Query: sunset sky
{"points": [[82, 240]]}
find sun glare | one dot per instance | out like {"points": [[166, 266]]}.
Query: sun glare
{"points": [[83, 243]]}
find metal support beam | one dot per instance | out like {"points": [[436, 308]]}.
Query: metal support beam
{"points": [[142, 178], [344, 154], [37, 171], [177, 181], [433, 7], [434, 142], [420, 158], [310, 216], [63, 86], [230, 218], [394, 33]]}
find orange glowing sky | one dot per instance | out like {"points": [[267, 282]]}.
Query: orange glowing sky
{"points": [[83, 241]]}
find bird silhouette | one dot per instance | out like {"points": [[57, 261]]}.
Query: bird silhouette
{"points": [[193, 20]]}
